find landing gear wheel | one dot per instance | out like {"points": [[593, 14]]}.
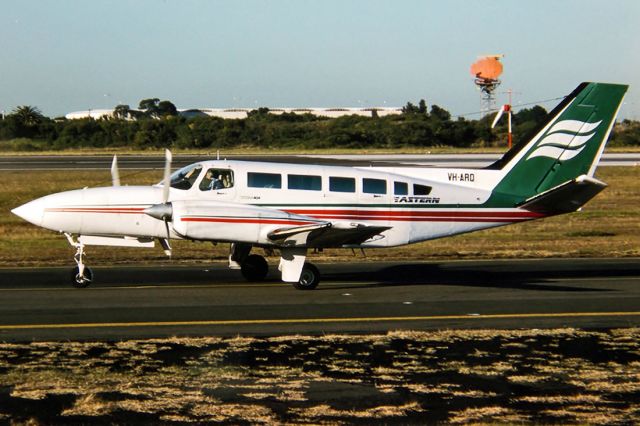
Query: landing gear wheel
{"points": [[309, 278], [254, 268], [81, 281]]}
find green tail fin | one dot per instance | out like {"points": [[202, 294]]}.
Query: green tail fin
{"points": [[567, 145]]}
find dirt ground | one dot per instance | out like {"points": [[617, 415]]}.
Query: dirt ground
{"points": [[457, 377]]}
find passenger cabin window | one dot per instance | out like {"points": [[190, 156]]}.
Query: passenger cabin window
{"points": [[342, 184], [264, 180], [217, 179], [308, 182], [185, 177], [374, 186], [421, 189], [400, 188]]}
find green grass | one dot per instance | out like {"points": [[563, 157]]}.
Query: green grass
{"points": [[608, 226]]}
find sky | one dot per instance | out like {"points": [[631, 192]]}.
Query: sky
{"points": [[71, 55]]}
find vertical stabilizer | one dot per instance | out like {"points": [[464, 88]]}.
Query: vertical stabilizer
{"points": [[567, 145]]}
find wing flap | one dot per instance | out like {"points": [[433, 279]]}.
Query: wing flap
{"points": [[329, 234], [281, 234]]}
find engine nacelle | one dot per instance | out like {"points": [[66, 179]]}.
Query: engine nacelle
{"points": [[223, 221]]}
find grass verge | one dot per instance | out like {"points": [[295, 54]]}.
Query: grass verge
{"points": [[458, 377]]}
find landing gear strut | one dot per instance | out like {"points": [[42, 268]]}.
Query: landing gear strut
{"points": [[81, 275]]}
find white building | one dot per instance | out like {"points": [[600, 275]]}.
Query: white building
{"points": [[243, 112], [93, 113]]}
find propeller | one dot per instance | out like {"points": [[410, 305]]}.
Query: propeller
{"points": [[115, 175], [164, 210], [167, 175]]}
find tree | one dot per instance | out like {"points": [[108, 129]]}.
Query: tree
{"points": [[537, 114], [150, 107], [122, 112], [259, 114], [167, 108], [440, 113], [28, 116], [422, 107], [410, 109]]}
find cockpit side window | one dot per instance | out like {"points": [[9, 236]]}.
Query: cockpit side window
{"points": [[217, 179], [185, 177]]}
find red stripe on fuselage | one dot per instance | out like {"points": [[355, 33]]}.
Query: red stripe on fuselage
{"points": [[419, 216], [341, 214], [121, 210], [414, 213]]}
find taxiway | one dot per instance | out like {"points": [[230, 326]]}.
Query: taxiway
{"points": [[146, 302]]}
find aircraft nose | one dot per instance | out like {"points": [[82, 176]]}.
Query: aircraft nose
{"points": [[31, 211]]}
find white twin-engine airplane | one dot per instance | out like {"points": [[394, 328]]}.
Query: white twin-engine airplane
{"points": [[293, 208]]}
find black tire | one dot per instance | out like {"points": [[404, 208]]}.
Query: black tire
{"points": [[254, 268], [81, 282], [309, 279]]}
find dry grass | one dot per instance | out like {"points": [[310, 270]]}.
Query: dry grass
{"points": [[608, 226], [584, 377]]}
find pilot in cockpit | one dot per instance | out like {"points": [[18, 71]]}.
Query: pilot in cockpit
{"points": [[216, 182], [211, 181]]}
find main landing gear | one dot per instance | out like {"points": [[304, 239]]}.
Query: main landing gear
{"points": [[309, 278], [255, 267], [81, 275], [252, 266]]}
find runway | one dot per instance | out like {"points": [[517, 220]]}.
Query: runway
{"points": [[149, 302], [151, 162]]}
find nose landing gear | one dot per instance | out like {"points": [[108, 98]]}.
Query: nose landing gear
{"points": [[81, 280], [81, 275]]}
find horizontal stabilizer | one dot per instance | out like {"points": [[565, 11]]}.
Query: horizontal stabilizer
{"points": [[565, 198]]}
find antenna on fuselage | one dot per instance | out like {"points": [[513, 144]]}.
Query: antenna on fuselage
{"points": [[218, 154]]}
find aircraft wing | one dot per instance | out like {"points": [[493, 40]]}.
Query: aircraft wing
{"points": [[222, 221], [328, 234]]}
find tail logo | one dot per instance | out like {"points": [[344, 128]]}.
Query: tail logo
{"points": [[565, 140]]}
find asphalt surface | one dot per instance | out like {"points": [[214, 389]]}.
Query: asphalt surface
{"points": [[148, 302], [140, 162]]}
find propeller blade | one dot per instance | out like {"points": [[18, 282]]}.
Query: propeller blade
{"points": [[165, 241], [167, 176], [163, 212], [115, 175]]}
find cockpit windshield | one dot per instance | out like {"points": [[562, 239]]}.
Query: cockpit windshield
{"points": [[186, 176]]}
